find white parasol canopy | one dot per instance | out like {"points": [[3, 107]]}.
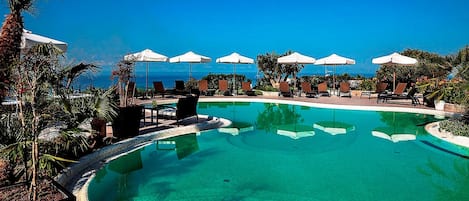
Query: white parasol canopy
{"points": [[334, 60], [190, 57], [295, 131], [394, 58], [28, 39], [146, 55], [234, 59], [296, 58]]}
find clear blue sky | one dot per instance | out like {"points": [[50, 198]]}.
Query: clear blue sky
{"points": [[103, 31]]}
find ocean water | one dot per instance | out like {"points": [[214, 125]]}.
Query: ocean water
{"points": [[103, 79]]}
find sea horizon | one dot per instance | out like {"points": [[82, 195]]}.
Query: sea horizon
{"points": [[103, 79]]}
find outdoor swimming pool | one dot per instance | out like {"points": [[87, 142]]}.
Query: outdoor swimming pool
{"points": [[291, 152]]}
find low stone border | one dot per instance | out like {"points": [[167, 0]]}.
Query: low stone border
{"points": [[433, 129], [76, 177]]}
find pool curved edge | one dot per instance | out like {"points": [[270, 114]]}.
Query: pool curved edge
{"points": [[78, 176], [433, 129]]}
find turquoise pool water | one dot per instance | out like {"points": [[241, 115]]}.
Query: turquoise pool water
{"points": [[288, 152]]}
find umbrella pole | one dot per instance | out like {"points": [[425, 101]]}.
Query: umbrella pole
{"points": [[234, 79], [394, 81], [333, 81], [146, 83], [190, 72]]}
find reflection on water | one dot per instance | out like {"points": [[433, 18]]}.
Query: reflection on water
{"points": [[184, 145], [295, 131], [449, 185], [127, 163], [236, 128], [334, 127], [275, 115]]}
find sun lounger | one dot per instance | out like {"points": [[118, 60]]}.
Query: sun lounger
{"points": [[402, 96], [306, 88], [285, 90], [203, 88], [186, 107], [159, 88], [400, 88], [223, 87], [344, 89], [180, 88], [322, 89], [246, 87]]}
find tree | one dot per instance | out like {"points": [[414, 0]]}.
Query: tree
{"points": [[43, 88], [10, 40], [461, 61], [275, 72]]}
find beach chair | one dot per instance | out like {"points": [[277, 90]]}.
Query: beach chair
{"points": [[409, 96], [223, 88], [322, 89], [344, 89], [186, 107], [159, 88], [285, 90], [180, 88], [203, 86], [380, 89], [306, 88], [246, 87], [400, 88]]}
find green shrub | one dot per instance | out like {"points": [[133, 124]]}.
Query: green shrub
{"points": [[267, 88], [367, 85], [455, 126]]}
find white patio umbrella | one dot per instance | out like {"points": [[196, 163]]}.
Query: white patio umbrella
{"points": [[334, 60], [296, 58], [28, 39], [334, 127], [190, 57], [147, 56], [394, 58], [234, 59]]}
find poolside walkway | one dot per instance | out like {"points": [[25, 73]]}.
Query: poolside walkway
{"points": [[354, 100]]}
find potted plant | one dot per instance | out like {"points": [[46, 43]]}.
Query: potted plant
{"points": [[127, 122]]}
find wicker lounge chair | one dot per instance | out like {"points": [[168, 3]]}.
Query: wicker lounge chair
{"points": [[203, 88], [223, 88], [401, 95], [322, 89], [306, 88], [180, 88], [186, 107], [344, 90], [159, 88], [246, 87], [285, 90]]}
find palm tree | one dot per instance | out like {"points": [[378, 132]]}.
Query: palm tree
{"points": [[10, 40], [43, 88]]}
